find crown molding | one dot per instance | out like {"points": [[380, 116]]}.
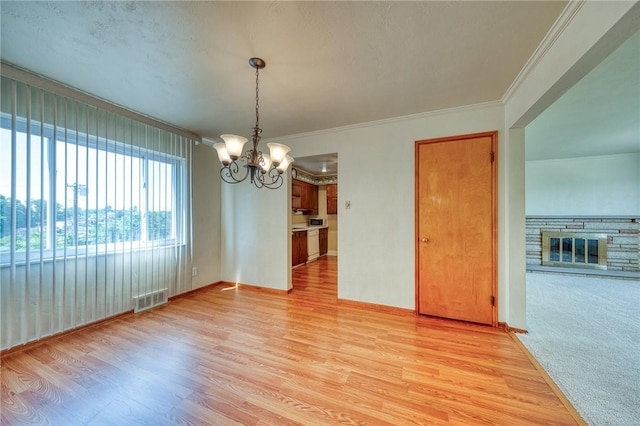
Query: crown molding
{"points": [[392, 120], [556, 30]]}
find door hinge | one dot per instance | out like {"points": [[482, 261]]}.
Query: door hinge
{"points": [[493, 301], [493, 156]]}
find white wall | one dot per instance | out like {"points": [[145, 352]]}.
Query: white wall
{"points": [[207, 249], [255, 235], [588, 186], [512, 235], [376, 238], [376, 262]]}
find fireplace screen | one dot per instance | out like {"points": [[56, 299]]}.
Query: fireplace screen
{"points": [[574, 250]]}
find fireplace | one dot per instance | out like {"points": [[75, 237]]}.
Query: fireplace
{"points": [[574, 250]]}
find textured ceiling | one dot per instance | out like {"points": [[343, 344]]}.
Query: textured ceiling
{"points": [[329, 64], [600, 115]]}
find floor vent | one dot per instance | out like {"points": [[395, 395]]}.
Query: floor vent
{"points": [[149, 300]]}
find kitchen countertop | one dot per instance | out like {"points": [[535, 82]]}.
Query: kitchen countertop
{"points": [[303, 227]]}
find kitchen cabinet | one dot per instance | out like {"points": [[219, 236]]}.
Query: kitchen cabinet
{"points": [[296, 195], [298, 247], [313, 244], [323, 240], [332, 199], [304, 197]]}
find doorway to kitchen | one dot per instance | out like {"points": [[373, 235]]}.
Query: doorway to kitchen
{"points": [[318, 279], [314, 224]]}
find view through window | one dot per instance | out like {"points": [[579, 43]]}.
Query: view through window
{"points": [[70, 191]]}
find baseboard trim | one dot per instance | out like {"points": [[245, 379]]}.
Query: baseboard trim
{"points": [[45, 339], [377, 308], [556, 390], [509, 329], [256, 288], [195, 290]]}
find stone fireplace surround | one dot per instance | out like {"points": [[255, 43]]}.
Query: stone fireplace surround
{"points": [[623, 239]]}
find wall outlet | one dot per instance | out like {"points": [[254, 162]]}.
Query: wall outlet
{"points": [[347, 205], [194, 271]]}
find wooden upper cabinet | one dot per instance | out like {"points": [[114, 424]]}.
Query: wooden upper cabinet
{"points": [[313, 199], [304, 196], [332, 199], [296, 195]]}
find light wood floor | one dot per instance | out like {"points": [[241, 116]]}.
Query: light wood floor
{"points": [[248, 356]]}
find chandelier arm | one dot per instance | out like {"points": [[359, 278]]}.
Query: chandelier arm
{"points": [[277, 183], [258, 180], [276, 179], [274, 173], [230, 172]]}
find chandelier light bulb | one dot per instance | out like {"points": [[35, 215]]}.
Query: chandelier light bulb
{"points": [[223, 155], [278, 152], [284, 165], [234, 145]]}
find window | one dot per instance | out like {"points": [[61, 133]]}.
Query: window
{"points": [[77, 192], [95, 209]]}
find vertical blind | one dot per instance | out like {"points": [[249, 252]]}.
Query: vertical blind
{"points": [[94, 212]]}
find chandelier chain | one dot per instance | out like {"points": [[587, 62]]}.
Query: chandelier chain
{"points": [[257, 98]]}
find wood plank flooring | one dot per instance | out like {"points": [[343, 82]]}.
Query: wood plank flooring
{"points": [[245, 356]]}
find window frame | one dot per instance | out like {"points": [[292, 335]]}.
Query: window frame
{"points": [[51, 136]]}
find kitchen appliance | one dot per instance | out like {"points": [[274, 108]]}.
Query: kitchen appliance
{"points": [[317, 221], [313, 244]]}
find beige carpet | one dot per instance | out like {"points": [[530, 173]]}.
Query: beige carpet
{"points": [[585, 332]]}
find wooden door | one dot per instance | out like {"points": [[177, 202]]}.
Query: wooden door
{"points": [[456, 233]]}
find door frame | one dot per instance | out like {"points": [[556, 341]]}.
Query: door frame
{"points": [[494, 214]]}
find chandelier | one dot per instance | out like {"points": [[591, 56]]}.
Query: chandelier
{"points": [[265, 170]]}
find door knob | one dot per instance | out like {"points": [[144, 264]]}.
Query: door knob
{"points": [[424, 240]]}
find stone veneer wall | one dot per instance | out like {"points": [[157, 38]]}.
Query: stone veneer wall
{"points": [[623, 237]]}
